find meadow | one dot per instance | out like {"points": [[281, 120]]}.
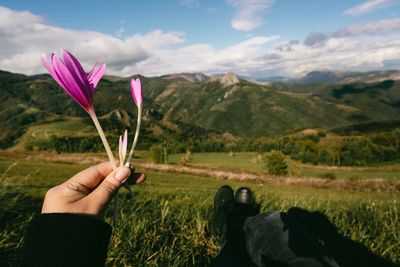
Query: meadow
{"points": [[251, 162], [165, 222]]}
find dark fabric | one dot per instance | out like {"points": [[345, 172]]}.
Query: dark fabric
{"points": [[346, 252], [233, 252], [223, 203], [276, 239], [61, 239], [232, 255]]}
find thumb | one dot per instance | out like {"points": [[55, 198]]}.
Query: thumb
{"points": [[104, 192]]}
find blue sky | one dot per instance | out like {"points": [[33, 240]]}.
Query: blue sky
{"points": [[250, 37]]}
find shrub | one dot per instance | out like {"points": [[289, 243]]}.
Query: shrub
{"points": [[275, 162], [156, 154], [186, 158]]}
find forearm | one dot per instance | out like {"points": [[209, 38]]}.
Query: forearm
{"points": [[61, 239]]}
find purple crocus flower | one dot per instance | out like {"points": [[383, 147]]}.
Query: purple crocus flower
{"points": [[123, 146], [69, 74], [136, 90]]}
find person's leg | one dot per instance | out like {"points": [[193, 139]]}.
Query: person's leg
{"points": [[230, 214], [224, 201], [277, 239]]}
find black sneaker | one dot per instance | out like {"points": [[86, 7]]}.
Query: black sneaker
{"points": [[223, 202], [245, 206], [244, 196]]}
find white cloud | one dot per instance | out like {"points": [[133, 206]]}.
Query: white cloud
{"points": [[205, 58], [369, 6], [29, 37], [360, 47], [10, 18], [373, 45], [315, 39], [375, 27], [249, 14]]}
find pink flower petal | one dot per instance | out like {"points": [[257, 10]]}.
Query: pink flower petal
{"points": [[136, 90], [76, 71], [50, 68], [61, 81], [123, 146], [70, 75], [71, 86], [95, 75]]}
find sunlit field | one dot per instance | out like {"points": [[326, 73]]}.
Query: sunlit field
{"points": [[251, 162], [165, 222]]}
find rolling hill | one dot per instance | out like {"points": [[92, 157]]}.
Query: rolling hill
{"points": [[182, 106]]}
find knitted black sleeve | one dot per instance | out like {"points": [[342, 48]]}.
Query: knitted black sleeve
{"points": [[61, 239]]}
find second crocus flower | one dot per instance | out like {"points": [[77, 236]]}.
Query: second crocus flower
{"points": [[136, 90]]}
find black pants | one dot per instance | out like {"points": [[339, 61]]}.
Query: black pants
{"points": [[270, 239]]}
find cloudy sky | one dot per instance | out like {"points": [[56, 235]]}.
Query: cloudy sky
{"points": [[258, 38]]}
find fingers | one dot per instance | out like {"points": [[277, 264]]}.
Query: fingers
{"points": [[106, 189], [136, 178], [91, 177]]}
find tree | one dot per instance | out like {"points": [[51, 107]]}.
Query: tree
{"points": [[275, 162], [396, 134], [156, 154], [165, 151], [187, 157]]}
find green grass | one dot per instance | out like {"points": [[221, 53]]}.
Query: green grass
{"points": [[367, 174], [69, 126], [247, 161], [163, 225], [242, 160]]}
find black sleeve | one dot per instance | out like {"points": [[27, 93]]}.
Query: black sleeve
{"points": [[61, 239]]}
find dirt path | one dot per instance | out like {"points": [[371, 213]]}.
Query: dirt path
{"points": [[375, 185]]}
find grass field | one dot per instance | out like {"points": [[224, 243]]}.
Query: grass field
{"points": [[58, 128], [247, 161], [164, 224]]}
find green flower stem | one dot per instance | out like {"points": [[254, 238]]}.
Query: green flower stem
{"points": [[114, 166], [104, 140], [139, 120]]}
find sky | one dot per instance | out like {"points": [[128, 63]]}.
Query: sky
{"points": [[255, 38]]}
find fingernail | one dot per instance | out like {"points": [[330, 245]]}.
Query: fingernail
{"points": [[122, 174]]}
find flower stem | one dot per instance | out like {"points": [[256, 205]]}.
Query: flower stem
{"points": [[139, 120], [104, 140]]}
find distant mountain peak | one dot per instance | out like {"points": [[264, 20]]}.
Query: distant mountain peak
{"points": [[337, 76], [322, 76], [226, 79]]}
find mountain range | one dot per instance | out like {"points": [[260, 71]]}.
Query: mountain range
{"points": [[195, 105]]}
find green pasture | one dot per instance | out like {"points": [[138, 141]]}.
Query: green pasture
{"points": [[164, 224], [250, 161], [246, 161], [69, 126], [242, 161]]}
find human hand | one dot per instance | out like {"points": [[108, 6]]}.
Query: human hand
{"points": [[89, 191]]}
